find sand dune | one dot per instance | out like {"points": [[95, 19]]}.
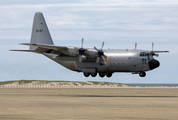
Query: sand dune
{"points": [[67, 84], [60, 84]]}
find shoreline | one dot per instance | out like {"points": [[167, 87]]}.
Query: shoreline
{"points": [[89, 103]]}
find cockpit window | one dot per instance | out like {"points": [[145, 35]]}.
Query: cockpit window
{"points": [[141, 54], [144, 54]]}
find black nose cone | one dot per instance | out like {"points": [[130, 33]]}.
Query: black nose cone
{"points": [[153, 64]]}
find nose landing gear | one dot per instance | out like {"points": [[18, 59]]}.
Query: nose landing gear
{"points": [[142, 74]]}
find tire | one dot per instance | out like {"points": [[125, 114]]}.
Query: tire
{"points": [[86, 74], [142, 74], [101, 75], [108, 74], [93, 74]]}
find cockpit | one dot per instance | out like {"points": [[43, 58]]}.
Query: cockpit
{"points": [[144, 54]]}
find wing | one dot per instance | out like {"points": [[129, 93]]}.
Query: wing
{"points": [[23, 50], [70, 51]]}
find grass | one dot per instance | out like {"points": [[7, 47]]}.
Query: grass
{"points": [[6, 82], [25, 81]]}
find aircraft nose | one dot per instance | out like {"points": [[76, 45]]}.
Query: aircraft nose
{"points": [[153, 64]]}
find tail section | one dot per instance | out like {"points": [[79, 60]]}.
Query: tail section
{"points": [[40, 32]]}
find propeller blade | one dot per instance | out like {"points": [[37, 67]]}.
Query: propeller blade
{"points": [[82, 43], [100, 53], [102, 46], [135, 45], [152, 46], [102, 57], [80, 58], [153, 53], [97, 60], [157, 55], [96, 48]]}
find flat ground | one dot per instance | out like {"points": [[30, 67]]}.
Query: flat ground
{"points": [[89, 103]]}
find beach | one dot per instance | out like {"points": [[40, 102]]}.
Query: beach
{"points": [[89, 103]]}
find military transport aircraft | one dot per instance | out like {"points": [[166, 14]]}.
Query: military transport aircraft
{"points": [[88, 60]]}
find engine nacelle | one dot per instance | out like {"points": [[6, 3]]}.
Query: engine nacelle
{"points": [[71, 51]]}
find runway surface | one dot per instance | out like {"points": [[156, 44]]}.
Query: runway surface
{"points": [[89, 103]]}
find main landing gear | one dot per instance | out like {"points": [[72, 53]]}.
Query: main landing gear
{"points": [[95, 74], [86, 74], [142, 74]]}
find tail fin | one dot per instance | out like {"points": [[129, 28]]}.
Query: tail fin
{"points": [[40, 32]]}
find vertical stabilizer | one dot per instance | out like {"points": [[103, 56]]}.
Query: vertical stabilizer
{"points": [[40, 32]]}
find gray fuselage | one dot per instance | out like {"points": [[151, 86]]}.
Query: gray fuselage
{"points": [[118, 60]]}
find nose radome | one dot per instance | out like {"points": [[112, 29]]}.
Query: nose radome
{"points": [[153, 64]]}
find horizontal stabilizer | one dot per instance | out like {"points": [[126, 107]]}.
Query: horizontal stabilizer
{"points": [[45, 46], [23, 50]]}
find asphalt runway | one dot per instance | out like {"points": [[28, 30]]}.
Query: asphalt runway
{"points": [[89, 103]]}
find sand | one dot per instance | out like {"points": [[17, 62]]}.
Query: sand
{"points": [[89, 103]]}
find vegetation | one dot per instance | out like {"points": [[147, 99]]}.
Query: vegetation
{"points": [[21, 82], [25, 81], [6, 82]]}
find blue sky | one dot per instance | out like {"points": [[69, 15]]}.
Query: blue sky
{"points": [[119, 23]]}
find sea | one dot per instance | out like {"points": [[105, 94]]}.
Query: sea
{"points": [[153, 85]]}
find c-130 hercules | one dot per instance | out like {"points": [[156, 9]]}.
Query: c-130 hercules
{"points": [[87, 60]]}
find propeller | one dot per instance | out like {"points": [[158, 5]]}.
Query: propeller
{"points": [[152, 52], [81, 51], [152, 46], [135, 45], [100, 53]]}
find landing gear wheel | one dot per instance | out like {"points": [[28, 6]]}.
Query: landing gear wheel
{"points": [[142, 74], [93, 74], [102, 74], [108, 74], [86, 74]]}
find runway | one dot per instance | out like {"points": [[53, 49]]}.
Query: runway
{"points": [[89, 103]]}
